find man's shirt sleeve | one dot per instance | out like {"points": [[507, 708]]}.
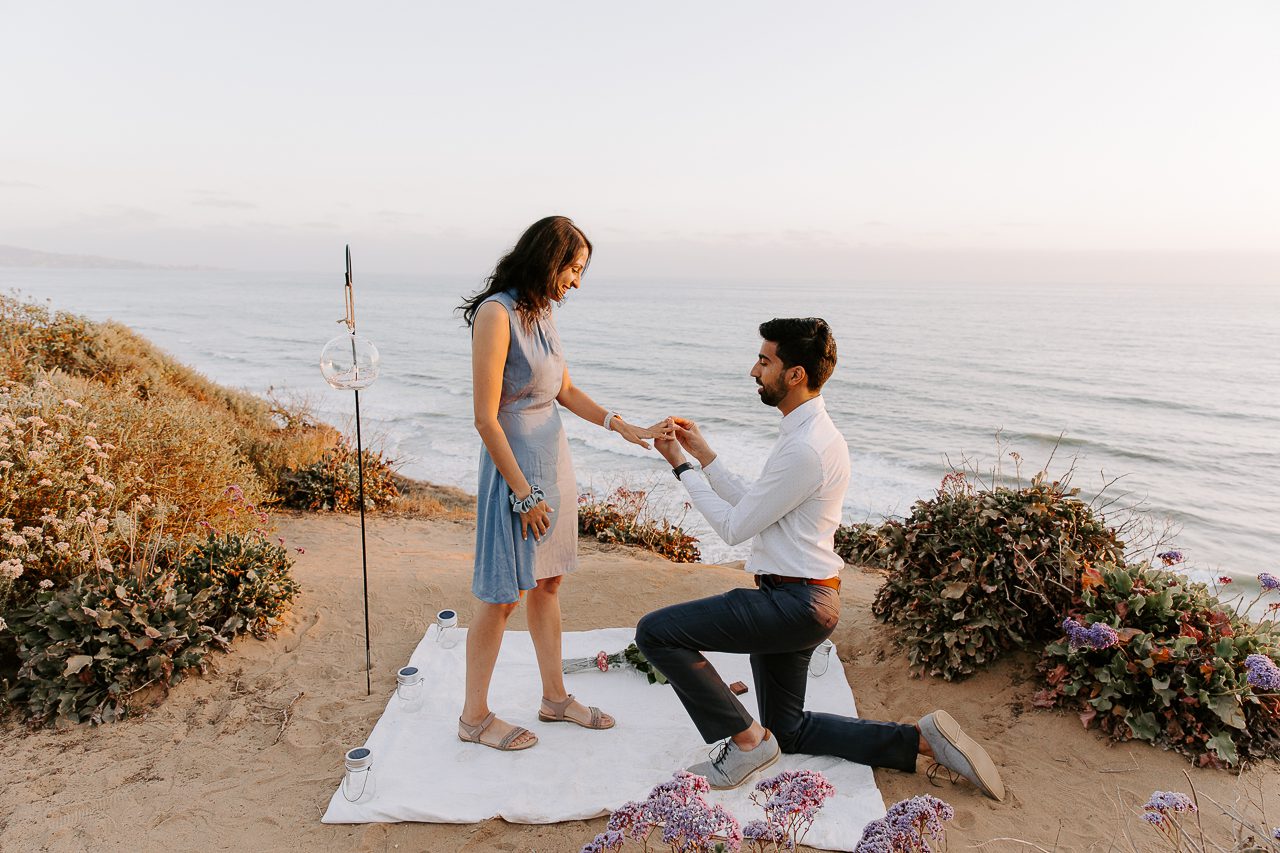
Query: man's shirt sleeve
{"points": [[726, 483], [789, 478]]}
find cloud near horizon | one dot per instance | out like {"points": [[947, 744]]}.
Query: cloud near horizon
{"points": [[225, 203]]}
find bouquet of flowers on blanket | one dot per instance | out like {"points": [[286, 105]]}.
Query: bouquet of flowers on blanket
{"points": [[630, 656]]}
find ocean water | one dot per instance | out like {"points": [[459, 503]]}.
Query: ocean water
{"points": [[1175, 391]]}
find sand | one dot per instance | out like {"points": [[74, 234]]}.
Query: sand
{"points": [[216, 766]]}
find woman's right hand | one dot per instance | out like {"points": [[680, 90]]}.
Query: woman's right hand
{"points": [[537, 520]]}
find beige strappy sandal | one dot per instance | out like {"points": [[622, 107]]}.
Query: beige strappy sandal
{"points": [[599, 719], [471, 734]]}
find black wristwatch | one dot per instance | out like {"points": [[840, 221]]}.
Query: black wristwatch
{"points": [[681, 468]]}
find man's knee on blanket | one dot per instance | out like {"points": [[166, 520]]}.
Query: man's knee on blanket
{"points": [[646, 640]]}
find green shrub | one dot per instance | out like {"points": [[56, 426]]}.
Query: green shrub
{"points": [[87, 647], [622, 518], [975, 574], [1175, 675], [859, 544], [333, 482], [247, 580], [112, 457]]}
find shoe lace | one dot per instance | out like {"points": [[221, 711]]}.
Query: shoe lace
{"points": [[719, 753], [935, 768]]}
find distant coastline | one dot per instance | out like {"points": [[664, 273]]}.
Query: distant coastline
{"points": [[16, 256]]}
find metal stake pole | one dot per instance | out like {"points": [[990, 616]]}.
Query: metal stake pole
{"points": [[364, 562]]}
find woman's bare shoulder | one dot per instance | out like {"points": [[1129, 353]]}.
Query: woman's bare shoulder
{"points": [[491, 325]]}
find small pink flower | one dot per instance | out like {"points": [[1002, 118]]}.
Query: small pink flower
{"points": [[602, 661]]}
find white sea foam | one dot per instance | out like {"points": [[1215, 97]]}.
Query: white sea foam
{"points": [[1182, 405]]}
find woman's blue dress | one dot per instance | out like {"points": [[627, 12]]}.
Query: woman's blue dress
{"points": [[530, 418]]}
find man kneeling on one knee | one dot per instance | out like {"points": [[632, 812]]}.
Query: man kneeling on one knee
{"points": [[790, 514]]}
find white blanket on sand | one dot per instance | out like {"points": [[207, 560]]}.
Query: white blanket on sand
{"points": [[424, 773]]}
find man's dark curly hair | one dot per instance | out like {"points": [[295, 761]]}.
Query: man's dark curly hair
{"points": [[804, 342]]}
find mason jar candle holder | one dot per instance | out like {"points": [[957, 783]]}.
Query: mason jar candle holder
{"points": [[409, 688], [357, 782], [447, 633]]}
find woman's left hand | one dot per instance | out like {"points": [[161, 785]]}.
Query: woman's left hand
{"points": [[637, 435]]}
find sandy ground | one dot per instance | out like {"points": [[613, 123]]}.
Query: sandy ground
{"points": [[211, 768]]}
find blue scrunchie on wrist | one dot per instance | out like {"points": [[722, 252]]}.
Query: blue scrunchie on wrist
{"points": [[536, 496]]}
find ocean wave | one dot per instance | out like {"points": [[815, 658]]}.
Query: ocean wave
{"points": [[910, 387], [1074, 442]]}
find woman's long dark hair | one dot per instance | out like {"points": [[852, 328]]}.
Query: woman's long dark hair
{"points": [[531, 267]]}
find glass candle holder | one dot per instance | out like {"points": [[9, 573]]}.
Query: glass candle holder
{"points": [[357, 782], [821, 659], [409, 688], [447, 624], [350, 362]]}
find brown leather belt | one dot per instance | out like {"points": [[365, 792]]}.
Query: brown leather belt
{"points": [[834, 583]]}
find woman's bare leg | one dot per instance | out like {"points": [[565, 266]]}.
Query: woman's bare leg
{"points": [[545, 630], [484, 640]]}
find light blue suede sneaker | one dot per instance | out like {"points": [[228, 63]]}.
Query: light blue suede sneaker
{"points": [[729, 767], [956, 751]]}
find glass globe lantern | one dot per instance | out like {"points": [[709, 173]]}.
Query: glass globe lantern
{"points": [[350, 362]]}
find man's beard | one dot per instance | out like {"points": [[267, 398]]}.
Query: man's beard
{"points": [[772, 395]]}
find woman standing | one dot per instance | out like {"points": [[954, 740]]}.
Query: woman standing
{"points": [[526, 515]]}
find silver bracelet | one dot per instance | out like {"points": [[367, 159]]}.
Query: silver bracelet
{"points": [[608, 420], [536, 496]]}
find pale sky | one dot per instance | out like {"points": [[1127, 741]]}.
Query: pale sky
{"points": [[852, 140]]}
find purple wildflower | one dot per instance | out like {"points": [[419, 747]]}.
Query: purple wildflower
{"points": [[1170, 801], [683, 787], [1170, 557], [905, 826], [696, 826], [763, 832], [1269, 582], [686, 820], [1275, 833], [1263, 674], [630, 820], [791, 801], [1164, 803], [608, 840], [1097, 636]]}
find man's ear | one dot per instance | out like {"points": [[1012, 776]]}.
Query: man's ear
{"points": [[803, 375]]}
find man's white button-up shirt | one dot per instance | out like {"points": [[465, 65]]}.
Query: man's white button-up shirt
{"points": [[793, 510]]}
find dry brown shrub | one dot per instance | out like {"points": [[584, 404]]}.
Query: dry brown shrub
{"points": [[94, 478], [33, 338], [427, 500]]}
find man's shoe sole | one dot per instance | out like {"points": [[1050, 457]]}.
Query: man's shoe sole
{"points": [[983, 767], [744, 779]]}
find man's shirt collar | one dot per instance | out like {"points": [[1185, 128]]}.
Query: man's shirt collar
{"points": [[802, 414]]}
